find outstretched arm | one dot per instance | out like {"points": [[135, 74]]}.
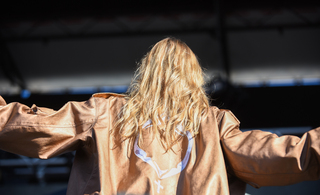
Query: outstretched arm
{"points": [[42, 132], [264, 159]]}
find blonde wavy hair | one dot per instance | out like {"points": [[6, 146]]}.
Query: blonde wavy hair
{"points": [[168, 90]]}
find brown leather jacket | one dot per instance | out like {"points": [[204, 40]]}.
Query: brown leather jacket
{"points": [[220, 160]]}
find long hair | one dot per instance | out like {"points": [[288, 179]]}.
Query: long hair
{"points": [[168, 90]]}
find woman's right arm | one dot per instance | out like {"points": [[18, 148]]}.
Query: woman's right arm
{"points": [[42, 132], [264, 159]]}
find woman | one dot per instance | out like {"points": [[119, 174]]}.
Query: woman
{"points": [[161, 138]]}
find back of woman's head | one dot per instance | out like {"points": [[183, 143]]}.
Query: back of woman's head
{"points": [[168, 90]]}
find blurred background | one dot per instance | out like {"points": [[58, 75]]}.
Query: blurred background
{"points": [[261, 59]]}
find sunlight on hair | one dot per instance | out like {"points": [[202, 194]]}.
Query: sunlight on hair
{"points": [[168, 85]]}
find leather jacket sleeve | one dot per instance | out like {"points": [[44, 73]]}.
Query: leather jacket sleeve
{"points": [[42, 132], [263, 159]]}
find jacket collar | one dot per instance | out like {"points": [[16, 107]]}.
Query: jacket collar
{"points": [[107, 95]]}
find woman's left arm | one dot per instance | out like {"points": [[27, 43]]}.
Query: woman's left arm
{"points": [[42, 132]]}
